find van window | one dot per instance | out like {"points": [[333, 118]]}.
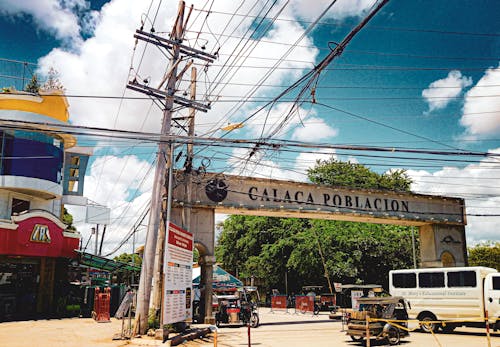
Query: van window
{"points": [[496, 282], [431, 280], [462, 279], [404, 280]]}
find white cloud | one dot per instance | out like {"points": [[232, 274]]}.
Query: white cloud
{"points": [[313, 129], [101, 65], [307, 160], [441, 92], [291, 169], [340, 10], [123, 186], [481, 110], [477, 184], [49, 15]]}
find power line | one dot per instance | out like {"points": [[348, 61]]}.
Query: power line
{"points": [[383, 28]]}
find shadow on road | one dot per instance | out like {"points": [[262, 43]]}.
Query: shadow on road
{"points": [[467, 333], [297, 322]]}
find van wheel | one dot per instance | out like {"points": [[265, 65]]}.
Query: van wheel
{"points": [[425, 324], [356, 338]]}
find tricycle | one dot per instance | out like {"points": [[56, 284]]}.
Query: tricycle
{"points": [[238, 308], [377, 310]]}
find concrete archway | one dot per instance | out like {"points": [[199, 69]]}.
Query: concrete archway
{"points": [[441, 220]]}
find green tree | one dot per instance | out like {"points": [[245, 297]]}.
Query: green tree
{"points": [[346, 174], [33, 85], [125, 276], [485, 254], [68, 219]]}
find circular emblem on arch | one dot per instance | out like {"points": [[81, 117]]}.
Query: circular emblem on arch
{"points": [[216, 190]]}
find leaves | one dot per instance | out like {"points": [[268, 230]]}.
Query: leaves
{"points": [[485, 254]]}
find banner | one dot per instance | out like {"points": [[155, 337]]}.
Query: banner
{"points": [[177, 272]]}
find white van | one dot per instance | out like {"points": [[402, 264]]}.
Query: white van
{"points": [[447, 294]]}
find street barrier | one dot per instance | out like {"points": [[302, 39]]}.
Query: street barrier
{"points": [[304, 304], [101, 305], [279, 303]]}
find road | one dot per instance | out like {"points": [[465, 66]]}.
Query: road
{"points": [[276, 330]]}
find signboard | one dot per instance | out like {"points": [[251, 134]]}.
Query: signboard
{"points": [[355, 295], [97, 214], [248, 195], [178, 269]]}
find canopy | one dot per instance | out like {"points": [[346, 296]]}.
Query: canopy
{"points": [[102, 263], [221, 279]]}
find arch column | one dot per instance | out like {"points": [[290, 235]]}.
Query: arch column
{"points": [[438, 239], [202, 226]]}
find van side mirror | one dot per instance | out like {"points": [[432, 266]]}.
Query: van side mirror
{"points": [[490, 299]]}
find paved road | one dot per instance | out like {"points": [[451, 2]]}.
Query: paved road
{"points": [[292, 330], [276, 330]]}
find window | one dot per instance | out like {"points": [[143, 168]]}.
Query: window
{"points": [[404, 280], [462, 279], [431, 280], [19, 206], [496, 282]]}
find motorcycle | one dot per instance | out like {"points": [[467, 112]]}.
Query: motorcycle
{"points": [[237, 309], [387, 319]]}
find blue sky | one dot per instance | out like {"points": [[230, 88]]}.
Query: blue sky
{"points": [[421, 74]]}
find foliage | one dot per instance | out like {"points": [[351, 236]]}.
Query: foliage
{"points": [[53, 82], [124, 276], [346, 174], [196, 255], [276, 249], [67, 219], [485, 254], [33, 85]]}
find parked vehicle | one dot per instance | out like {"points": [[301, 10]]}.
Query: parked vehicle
{"points": [[390, 308], [443, 294], [323, 301], [239, 308]]}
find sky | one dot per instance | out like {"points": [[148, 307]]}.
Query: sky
{"points": [[422, 74]]}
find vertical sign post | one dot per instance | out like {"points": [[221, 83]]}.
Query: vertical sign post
{"points": [[178, 269]]}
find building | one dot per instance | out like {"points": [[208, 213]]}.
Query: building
{"points": [[40, 169]]}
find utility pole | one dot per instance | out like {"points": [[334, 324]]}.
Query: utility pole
{"points": [[153, 249], [96, 239]]}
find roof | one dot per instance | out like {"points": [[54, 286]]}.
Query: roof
{"points": [[102, 263], [220, 278]]}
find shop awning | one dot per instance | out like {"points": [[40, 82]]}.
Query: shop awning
{"points": [[102, 263]]}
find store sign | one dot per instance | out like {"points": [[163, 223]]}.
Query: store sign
{"points": [[40, 233], [178, 275]]}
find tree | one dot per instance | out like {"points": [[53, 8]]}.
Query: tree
{"points": [[53, 82], [125, 276], [33, 85], [346, 174], [68, 219], [485, 254], [272, 249]]}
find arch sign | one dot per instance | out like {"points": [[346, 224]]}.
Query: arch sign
{"points": [[439, 219]]}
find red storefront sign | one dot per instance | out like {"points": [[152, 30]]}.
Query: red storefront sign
{"points": [[38, 234]]}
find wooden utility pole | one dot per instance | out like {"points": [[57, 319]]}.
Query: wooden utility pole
{"points": [[152, 265]]}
